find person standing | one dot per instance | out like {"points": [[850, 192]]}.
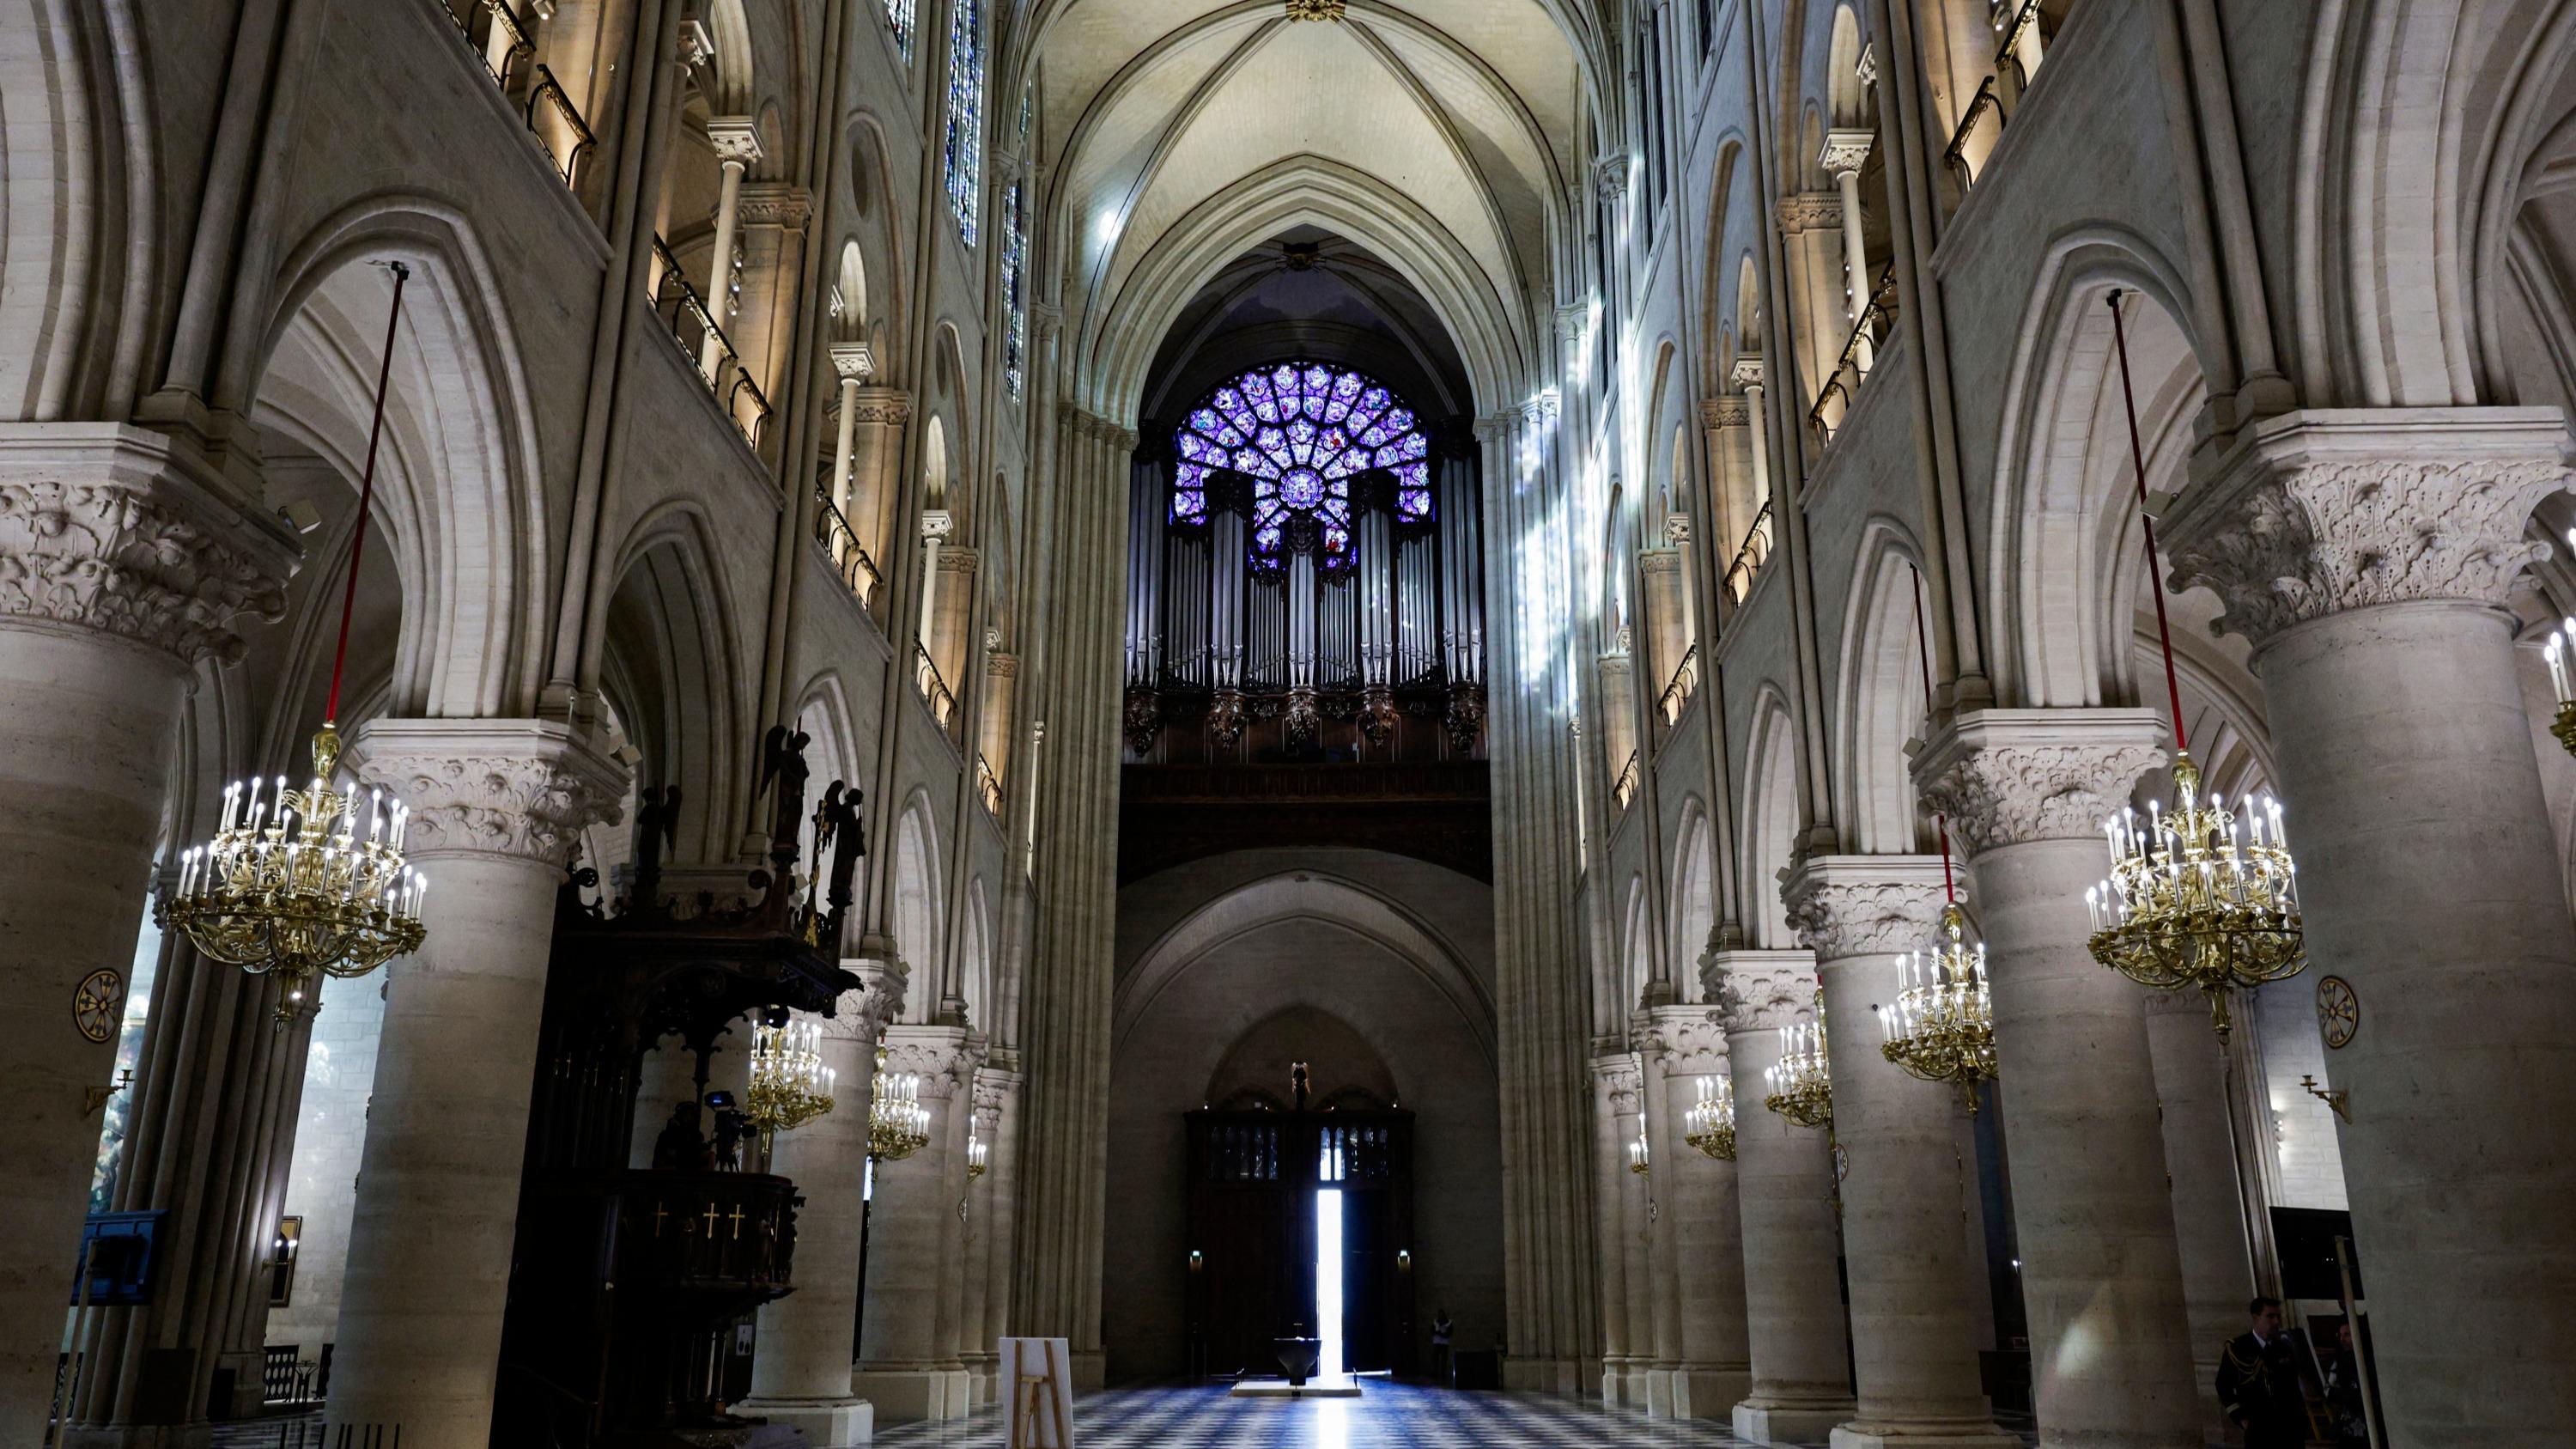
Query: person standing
{"points": [[2259, 1382], [1441, 1367]]}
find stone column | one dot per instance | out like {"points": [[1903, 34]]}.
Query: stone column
{"points": [[876, 454], [800, 1370], [216, 1091], [1913, 1285], [907, 1364], [2192, 1091], [2026, 792], [1698, 1235], [1001, 1205], [737, 145], [2368, 555], [1845, 153], [1662, 1347], [1784, 1180], [497, 806], [123, 563], [988, 1243], [1614, 1080]]}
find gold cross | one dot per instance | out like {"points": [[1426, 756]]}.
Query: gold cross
{"points": [[659, 1212], [711, 1220], [737, 1222]]}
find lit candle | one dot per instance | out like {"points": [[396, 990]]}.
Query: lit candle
{"points": [[232, 805], [2552, 651], [252, 809]]}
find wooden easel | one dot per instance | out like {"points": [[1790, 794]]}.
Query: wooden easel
{"points": [[1034, 1400]]}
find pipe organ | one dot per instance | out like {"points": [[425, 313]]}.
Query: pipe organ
{"points": [[1305, 578]]}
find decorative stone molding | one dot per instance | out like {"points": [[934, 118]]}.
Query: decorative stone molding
{"points": [[2315, 513], [519, 789], [1846, 151], [1867, 68], [1844, 906], [1726, 412], [1610, 177], [937, 524], [115, 532], [943, 1057], [1677, 529], [957, 558], [1746, 375], [1810, 211], [1572, 322], [1689, 1041], [1620, 1080], [1001, 665], [775, 203], [1542, 409], [1763, 990], [1662, 560], [736, 140], [2012, 776], [1496, 426], [883, 405], [863, 1015], [853, 362]]}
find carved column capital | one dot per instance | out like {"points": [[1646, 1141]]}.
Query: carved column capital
{"points": [[1747, 372], [2012, 776], [117, 531], [521, 789], [1610, 177], [2318, 512], [886, 406], [736, 140], [937, 524], [1573, 321], [863, 1015], [1725, 412], [1810, 211], [1689, 1041], [1845, 151], [1677, 529], [1763, 990], [1001, 664], [853, 362], [1844, 906], [943, 1057], [1620, 1081], [775, 203]]}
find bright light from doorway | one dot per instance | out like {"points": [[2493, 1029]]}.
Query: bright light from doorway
{"points": [[1328, 1281]]}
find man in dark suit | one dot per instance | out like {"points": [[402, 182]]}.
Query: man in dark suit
{"points": [[2259, 1382]]}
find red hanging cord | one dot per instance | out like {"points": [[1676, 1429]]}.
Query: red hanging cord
{"points": [[366, 494], [1923, 657], [2155, 569]]}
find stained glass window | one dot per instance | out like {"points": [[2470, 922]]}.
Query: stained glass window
{"points": [[1015, 322], [965, 115], [899, 19], [1300, 434]]}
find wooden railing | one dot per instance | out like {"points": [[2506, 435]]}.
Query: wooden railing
{"points": [[693, 326], [934, 690], [840, 541], [988, 785], [1750, 555], [1624, 789], [1859, 355], [1685, 681]]}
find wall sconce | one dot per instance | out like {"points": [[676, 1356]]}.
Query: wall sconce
{"points": [[1197, 1260], [2340, 1101], [1404, 1260]]}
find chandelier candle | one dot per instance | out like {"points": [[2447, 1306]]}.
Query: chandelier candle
{"points": [[1942, 1027], [1801, 1082], [898, 1123], [1709, 1125], [790, 1086], [2560, 651]]}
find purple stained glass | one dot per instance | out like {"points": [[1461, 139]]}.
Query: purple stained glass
{"points": [[1301, 431]]}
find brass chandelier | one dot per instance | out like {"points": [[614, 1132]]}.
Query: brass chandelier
{"points": [[790, 1086], [898, 1124], [2561, 654], [1709, 1125], [1942, 1027], [2199, 897], [289, 886], [1802, 1081]]}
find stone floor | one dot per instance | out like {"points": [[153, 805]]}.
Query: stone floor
{"points": [[1390, 1416]]}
